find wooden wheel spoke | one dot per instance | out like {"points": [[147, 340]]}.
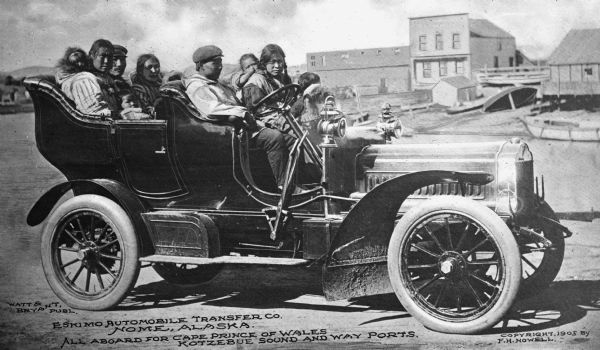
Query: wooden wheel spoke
{"points": [[102, 233], [484, 281], [479, 302], [76, 274], [99, 279], [467, 254], [87, 280], [435, 278], [72, 236], [113, 257], [422, 266], [69, 263], [437, 242], [448, 233], [529, 262], [69, 249], [107, 270], [424, 250], [81, 229], [108, 244], [483, 262], [461, 240], [458, 304], [439, 297]]}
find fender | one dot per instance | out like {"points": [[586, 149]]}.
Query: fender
{"points": [[356, 262], [111, 189]]}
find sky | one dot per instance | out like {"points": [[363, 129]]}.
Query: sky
{"points": [[36, 32]]}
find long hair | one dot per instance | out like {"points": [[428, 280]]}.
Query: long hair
{"points": [[65, 65], [267, 53], [139, 66], [96, 45]]}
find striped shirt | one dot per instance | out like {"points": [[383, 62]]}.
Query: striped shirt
{"points": [[85, 90], [147, 93]]}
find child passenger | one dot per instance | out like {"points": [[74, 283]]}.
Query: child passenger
{"points": [[73, 61], [131, 108], [248, 66]]}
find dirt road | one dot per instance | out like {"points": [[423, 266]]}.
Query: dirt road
{"points": [[253, 307]]}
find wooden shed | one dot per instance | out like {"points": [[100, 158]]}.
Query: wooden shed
{"points": [[451, 91], [575, 65]]}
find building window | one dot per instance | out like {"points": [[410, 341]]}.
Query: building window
{"points": [[397, 51], [323, 60], [426, 69], [443, 68], [439, 43], [312, 63], [499, 45], [312, 57], [456, 41], [460, 67], [422, 43], [345, 56], [588, 70], [362, 52]]}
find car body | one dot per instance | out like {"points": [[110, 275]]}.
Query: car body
{"points": [[189, 194]]}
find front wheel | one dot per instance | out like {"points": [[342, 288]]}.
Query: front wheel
{"points": [[454, 265], [90, 252]]}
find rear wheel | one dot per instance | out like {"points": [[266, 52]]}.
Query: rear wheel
{"points": [[541, 265], [454, 265], [90, 252]]}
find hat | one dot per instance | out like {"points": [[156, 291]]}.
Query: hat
{"points": [[119, 50], [206, 53]]}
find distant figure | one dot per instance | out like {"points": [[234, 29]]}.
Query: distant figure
{"points": [[146, 81], [248, 66], [93, 92], [118, 68]]}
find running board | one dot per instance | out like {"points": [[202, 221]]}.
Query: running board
{"points": [[227, 259]]}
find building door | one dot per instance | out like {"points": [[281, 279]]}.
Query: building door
{"points": [[511, 61], [495, 61]]}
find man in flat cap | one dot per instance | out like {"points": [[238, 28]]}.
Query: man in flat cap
{"points": [[218, 102], [118, 68]]}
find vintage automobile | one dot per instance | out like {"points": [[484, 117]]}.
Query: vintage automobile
{"points": [[454, 230]]}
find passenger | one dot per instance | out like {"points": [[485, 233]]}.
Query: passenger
{"points": [[146, 81], [267, 79], [284, 78], [248, 66], [118, 68], [93, 92], [131, 108], [218, 102], [73, 61], [307, 81]]}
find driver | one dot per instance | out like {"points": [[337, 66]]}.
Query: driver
{"points": [[218, 102]]}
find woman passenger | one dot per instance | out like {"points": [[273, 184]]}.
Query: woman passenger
{"points": [[146, 81]]}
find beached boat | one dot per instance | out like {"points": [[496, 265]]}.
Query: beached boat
{"points": [[467, 106], [561, 130], [511, 98]]}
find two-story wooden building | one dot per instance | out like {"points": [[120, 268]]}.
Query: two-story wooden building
{"points": [[449, 45], [386, 69]]}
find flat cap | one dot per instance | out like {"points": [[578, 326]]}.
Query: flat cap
{"points": [[119, 50], [206, 53]]}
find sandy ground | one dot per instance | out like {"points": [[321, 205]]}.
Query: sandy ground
{"points": [[268, 307]]}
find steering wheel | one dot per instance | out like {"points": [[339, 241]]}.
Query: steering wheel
{"points": [[279, 100]]}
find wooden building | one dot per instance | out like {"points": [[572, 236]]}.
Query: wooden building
{"points": [[452, 45], [451, 91], [384, 69], [575, 65]]}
